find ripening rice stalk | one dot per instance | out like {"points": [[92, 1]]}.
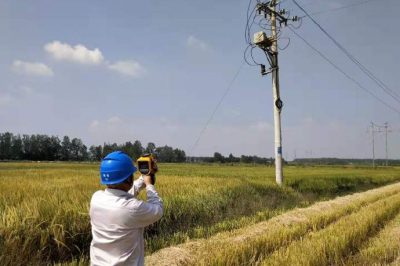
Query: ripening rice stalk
{"points": [[382, 249], [331, 246], [44, 206], [251, 243]]}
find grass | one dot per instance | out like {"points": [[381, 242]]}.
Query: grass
{"points": [[44, 206]]}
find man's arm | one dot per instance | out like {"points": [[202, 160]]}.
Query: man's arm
{"points": [[138, 185], [146, 213]]}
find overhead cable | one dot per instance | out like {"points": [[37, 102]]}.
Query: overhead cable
{"points": [[344, 72], [365, 70]]}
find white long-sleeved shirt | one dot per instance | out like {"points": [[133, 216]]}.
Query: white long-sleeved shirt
{"points": [[118, 219]]}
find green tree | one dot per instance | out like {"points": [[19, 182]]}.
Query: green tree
{"points": [[5, 145], [246, 159], [35, 148], [128, 148], [65, 149], [179, 156], [137, 150], [108, 148], [78, 150], [17, 148], [55, 148], [26, 147], [96, 153], [165, 154], [151, 148], [218, 157]]}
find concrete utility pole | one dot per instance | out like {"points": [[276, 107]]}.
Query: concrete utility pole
{"points": [[277, 100], [374, 129], [269, 44], [373, 143], [386, 126]]}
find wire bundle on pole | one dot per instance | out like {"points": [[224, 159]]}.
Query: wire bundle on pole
{"points": [[258, 18]]}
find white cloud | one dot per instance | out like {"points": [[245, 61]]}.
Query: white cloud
{"points": [[25, 90], [195, 43], [261, 126], [78, 53], [82, 55], [94, 124], [130, 68], [114, 120], [32, 68]]}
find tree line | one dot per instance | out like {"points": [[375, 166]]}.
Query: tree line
{"points": [[343, 161], [40, 147], [219, 158]]}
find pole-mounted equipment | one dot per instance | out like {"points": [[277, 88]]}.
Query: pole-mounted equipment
{"points": [[275, 19]]}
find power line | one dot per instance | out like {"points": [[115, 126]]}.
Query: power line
{"points": [[339, 8], [366, 71], [343, 72], [227, 90]]}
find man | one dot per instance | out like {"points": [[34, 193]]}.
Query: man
{"points": [[117, 217]]}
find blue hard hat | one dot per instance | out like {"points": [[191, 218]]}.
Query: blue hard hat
{"points": [[115, 168]]}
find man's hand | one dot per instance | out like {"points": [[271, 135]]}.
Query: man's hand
{"points": [[140, 182], [148, 180]]}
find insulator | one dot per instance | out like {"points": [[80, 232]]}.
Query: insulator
{"points": [[259, 9], [262, 69]]}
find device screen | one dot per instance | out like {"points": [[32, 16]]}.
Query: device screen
{"points": [[144, 167]]}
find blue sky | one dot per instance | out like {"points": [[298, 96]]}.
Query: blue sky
{"points": [[110, 71]]}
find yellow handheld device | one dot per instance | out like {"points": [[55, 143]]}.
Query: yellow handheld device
{"points": [[147, 165]]}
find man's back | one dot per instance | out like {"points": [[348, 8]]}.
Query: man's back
{"points": [[118, 220]]}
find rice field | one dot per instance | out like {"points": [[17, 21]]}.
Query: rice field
{"points": [[359, 229], [234, 213]]}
